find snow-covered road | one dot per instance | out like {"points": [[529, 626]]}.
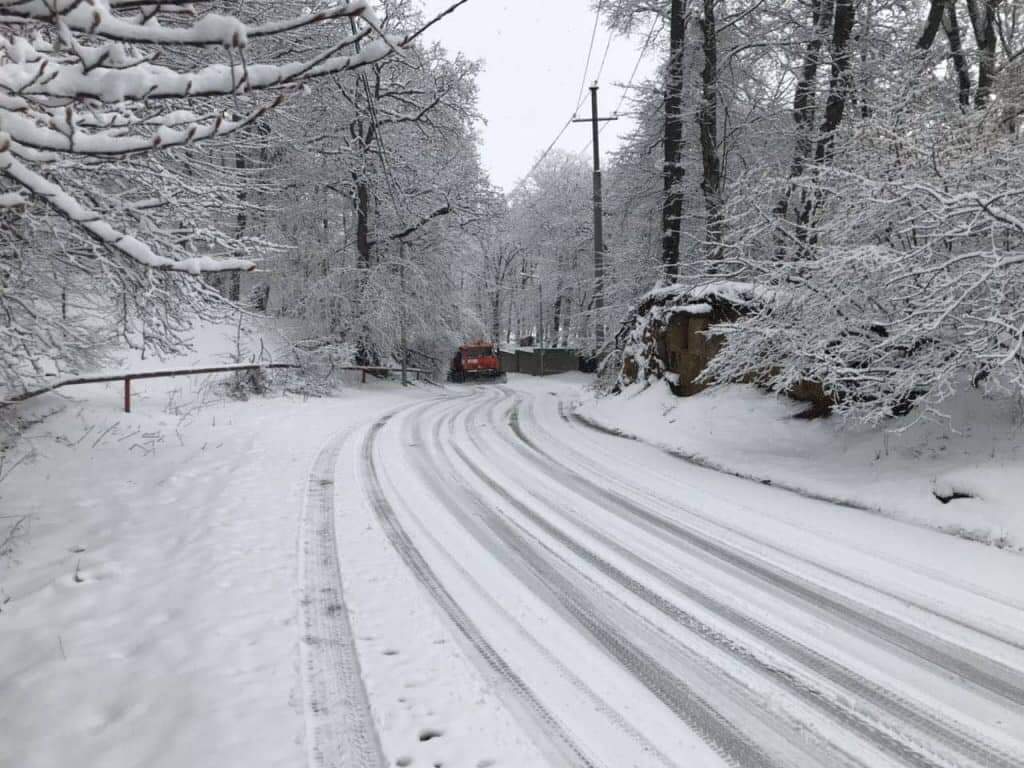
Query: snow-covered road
{"points": [[527, 590], [470, 578]]}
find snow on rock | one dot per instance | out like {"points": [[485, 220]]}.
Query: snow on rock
{"points": [[992, 492], [640, 341], [737, 293]]}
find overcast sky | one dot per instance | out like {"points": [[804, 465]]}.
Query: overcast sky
{"points": [[534, 54]]}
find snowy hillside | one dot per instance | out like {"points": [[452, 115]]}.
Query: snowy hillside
{"points": [[149, 599], [905, 468]]}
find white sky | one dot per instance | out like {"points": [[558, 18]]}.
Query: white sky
{"points": [[534, 54]]}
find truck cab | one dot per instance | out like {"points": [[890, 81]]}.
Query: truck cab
{"points": [[478, 360]]}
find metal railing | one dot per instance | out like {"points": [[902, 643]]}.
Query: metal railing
{"points": [[128, 378]]}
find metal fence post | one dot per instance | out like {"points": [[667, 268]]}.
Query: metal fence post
{"points": [[127, 395]]}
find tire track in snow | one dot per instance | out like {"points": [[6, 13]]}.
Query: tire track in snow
{"points": [[414, 560], [585, 691], [983, 673], [340, 730], [578, 420], [854, 717], [566, 586]]}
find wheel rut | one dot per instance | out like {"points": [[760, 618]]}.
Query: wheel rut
{"points": [[340, 729], [606, 592], [973, 669], [931, 729], [561, 740]]}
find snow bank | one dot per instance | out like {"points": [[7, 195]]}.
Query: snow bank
{"points": [[148, 610], [974, 463]]}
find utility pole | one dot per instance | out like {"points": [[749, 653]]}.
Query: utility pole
{"points": [[403, 340], [599, 251], [539, 343]]}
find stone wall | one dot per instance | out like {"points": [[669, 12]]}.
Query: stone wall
{"points": [[667, 337], [686, 349]]}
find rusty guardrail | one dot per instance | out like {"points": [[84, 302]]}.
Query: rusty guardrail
{"points": [[127, 378]]}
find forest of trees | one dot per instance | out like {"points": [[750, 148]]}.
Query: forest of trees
{"points": [[163, 162], [859, 159]]}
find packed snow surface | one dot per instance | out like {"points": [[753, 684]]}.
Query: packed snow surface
{"points": [[477, 577]]}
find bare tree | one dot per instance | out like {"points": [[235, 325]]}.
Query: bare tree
{"points": [[673, 169], [707, 118]]}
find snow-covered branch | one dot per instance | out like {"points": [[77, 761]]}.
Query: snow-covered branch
{"points": [[97, 18], [135, 139], [62, 94], [102, 231]]}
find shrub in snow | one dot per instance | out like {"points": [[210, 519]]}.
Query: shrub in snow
{"points": [[896, 261], [913, 285], [321, 364]]}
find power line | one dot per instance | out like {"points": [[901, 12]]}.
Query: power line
{"points": [[632, 78], [590, 53], [636, 66], [604, 58], [579, 98], [543, 156]]}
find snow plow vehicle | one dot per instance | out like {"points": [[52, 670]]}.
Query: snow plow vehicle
{"points": [[476, 362]]}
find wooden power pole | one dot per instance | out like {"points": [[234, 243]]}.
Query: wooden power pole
{"points": [[599, 251]]}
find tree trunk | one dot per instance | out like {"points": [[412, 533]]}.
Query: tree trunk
{"points": [[556, 316], [942, 13], [235, 279], [496, 320], [931, 27], [567, 324], [673, 171], [983, 20], [362, 221], [956, 52], [805, 98], [839, 89], [839, 82], [711, 184]]}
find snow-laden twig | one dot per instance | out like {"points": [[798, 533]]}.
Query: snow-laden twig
{"points": [[102, 231]]}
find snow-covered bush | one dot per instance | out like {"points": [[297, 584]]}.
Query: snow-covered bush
{"points": [[915, 282]]}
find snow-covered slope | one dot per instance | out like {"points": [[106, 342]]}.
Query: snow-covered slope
{"points": [[898, 471], [149, 605]]}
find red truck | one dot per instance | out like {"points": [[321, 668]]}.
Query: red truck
{"points": [[475, 361]]}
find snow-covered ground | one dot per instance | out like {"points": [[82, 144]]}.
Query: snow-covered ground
{"points": [[467, 578], [900, 470], [150, 602], [633, 609]]}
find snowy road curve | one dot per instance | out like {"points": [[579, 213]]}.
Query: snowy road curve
{"points": [[630, 609]]}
